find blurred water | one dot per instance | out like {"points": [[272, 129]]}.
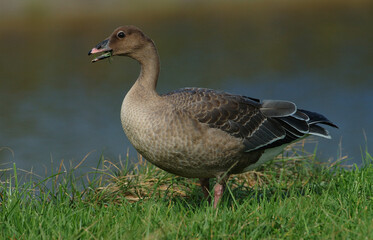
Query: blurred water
{"points": [[56, 105]]}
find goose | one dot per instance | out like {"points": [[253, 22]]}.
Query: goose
{"points": [[198, 132]]}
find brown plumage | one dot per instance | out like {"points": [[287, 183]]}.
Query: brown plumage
{"points": [[202, 133]]}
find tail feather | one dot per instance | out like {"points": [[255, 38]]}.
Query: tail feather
{"points": [[317, 118], [304, 122], [319, 131], [301, 116], [297, 123]]}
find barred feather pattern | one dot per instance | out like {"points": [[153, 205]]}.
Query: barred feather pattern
{"points": [[260, 124]]}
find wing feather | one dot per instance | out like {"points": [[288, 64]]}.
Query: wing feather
{"points": [[260, 125]]}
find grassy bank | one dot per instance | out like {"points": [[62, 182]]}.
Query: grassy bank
{"points": [[293, 197]]}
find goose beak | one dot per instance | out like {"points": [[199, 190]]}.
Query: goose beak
{"points": [[102, 47]]}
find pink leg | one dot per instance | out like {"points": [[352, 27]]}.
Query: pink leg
{"points": [[218, 191], [205, 184]]}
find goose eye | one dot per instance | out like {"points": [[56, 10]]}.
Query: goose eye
{"points": [[121, 34]]}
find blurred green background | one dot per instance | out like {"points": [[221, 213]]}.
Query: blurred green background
{"points": [[55, 104]]}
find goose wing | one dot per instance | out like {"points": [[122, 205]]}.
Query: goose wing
{"points": [[260, 124]]}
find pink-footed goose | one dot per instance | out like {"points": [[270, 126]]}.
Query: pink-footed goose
{"points": [[197, 132]]}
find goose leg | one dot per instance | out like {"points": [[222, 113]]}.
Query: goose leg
{"points": [[219, 190], [205, 184]]}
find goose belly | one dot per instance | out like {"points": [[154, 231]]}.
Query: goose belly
{"points": [[179, 144]]}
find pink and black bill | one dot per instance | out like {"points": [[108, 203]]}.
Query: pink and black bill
{"points": [[102, 47]]}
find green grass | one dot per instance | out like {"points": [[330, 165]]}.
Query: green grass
{"points": [[293, 197]]}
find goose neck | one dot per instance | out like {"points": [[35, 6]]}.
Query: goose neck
{"points": [[150, 66]]}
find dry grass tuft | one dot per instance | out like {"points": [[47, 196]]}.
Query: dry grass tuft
{"points": [[145, 181]]}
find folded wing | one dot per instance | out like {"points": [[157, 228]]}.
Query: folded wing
{"points": [[260, 124]]}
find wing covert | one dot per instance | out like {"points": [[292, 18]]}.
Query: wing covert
{"points": [[239, 116]]}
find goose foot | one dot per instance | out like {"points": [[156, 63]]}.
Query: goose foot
{"points": [[219, 190]]}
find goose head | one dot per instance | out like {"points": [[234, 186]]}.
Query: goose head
{"points": [[124, 41]]}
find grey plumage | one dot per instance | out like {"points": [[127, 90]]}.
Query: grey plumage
{"points": [[260, 124], [197, 132], [276, 108]]}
